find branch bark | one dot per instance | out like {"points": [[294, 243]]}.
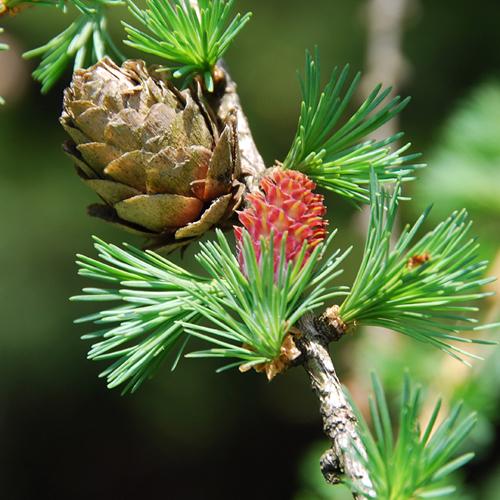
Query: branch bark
{"points": [[339, 422], [252, 164]]}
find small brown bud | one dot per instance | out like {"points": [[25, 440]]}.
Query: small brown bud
{"points": [[417, 260]]}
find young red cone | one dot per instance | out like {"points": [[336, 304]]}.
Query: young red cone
{"points": [[288, 209]]}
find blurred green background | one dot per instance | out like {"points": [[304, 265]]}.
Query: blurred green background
{"points": [[192, 433]]}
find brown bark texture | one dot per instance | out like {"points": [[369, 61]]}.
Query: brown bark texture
{"points": [[339, 422]]}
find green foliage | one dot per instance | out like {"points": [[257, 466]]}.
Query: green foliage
{"points": [[11, 6], [336, 161], [267, 303], [86, 41], [420, 300], [416, 290], [163, 301], [412, 465], [195, 42], [148, 286], [153, 296]]}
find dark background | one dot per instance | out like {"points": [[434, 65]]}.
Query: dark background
{"points": [[191, 433]]}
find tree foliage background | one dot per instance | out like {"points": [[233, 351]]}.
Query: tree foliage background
{"points": [[193, 433]]}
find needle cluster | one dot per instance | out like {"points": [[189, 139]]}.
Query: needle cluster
{"points": [[195, 39], [330, 152], [418, 289], [412, 464]]}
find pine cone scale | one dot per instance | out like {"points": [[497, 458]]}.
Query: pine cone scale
{"points": [[92, 123], [82, 169], [216, 212], [176, 211], [165, 174], [98, 154], [130, 169], [111, 192], [108, 214], [220, 169], [158, 119], [122, 132], [79, 107]]}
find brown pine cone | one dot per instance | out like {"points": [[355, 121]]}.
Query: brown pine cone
{"points": [[154, 155]]}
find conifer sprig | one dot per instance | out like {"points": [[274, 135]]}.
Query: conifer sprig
{"points": [[85, 42], [265, 309], [163, 302], [140, 334], [194, 41], [417, 290], [414, 464], [338, 161]]}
